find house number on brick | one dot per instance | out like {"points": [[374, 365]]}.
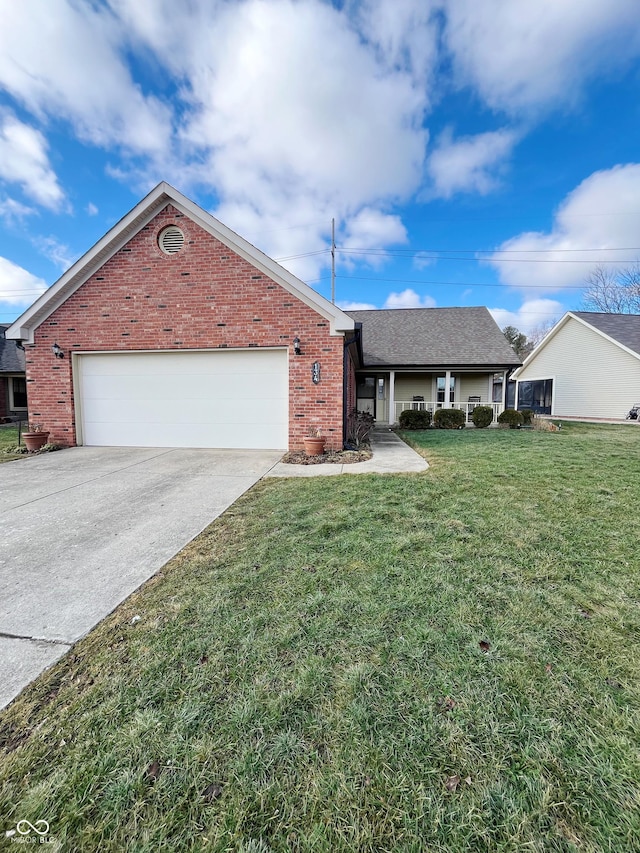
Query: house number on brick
{"points": [[315, 372]]}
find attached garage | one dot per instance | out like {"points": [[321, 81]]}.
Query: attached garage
{"points": [[173, 331], [230, 399]]}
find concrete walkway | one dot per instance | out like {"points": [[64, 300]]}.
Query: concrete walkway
{"points": [[390, 456], [81, 529]]}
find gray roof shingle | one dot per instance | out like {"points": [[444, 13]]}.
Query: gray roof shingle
{"points": [[433, 337], [624, 328], [11, 358]]}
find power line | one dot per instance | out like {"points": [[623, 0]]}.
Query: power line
{"points": [[459, 283], [399, 251], [424, 255]]}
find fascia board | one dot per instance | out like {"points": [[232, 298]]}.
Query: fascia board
{"points": [[24, 327]]}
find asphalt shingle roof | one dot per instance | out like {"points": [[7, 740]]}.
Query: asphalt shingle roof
{"points": [[11, 358], [433, 337], [624, 328]]}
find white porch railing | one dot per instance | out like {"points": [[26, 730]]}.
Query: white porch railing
{"points": [[431, 406]]}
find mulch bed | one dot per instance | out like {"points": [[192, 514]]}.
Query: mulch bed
{"points": [[337, 457]]}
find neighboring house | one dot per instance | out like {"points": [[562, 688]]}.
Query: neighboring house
{"points": [[416, 358], [13, 384], [587, 366], [173, 331]]}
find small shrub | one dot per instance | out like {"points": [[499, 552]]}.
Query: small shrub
{"points": [[449, 419], [482, 416], [415, 419], [527, 414], [510, 418]]}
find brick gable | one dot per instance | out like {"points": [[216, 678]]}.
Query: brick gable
{"points": [[204, 297]]}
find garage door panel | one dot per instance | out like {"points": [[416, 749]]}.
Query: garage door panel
{"points": [[185, 435], [156, 412], [205, 399]]}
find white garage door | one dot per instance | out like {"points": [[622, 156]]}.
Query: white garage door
{"points": [[234, 398]]}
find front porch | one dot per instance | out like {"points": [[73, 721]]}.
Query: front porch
{"points": [[385, 394]]}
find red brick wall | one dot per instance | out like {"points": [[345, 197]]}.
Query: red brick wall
{"points": [[205, 296]]}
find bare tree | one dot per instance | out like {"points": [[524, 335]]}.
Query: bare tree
{"points": [[613, 292], [539, 332]]}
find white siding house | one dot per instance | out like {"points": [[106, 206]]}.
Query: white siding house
{"points": [[588, 366]]}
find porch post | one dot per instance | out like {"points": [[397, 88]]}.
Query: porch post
{"points": [[503, 401], [447, 389], [392, 397]]}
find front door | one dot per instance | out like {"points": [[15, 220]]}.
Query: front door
{"points": [[366, 394]]}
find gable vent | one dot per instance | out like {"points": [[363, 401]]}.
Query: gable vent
{"points": [[171, 240]]}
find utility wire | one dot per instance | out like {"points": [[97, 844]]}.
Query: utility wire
{"points": [[459, 283]]}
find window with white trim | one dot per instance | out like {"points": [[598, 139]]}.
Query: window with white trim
{"points": [[17, 393]]}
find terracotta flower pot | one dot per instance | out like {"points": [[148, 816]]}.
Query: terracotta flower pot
{"points": [[35, 440], [314, 446]]}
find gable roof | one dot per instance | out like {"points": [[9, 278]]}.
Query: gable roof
{"points": [[433, 337], [11, 358], [164, 194], [621, 329]]}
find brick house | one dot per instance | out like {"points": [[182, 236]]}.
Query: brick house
{"points": [[173, 331]]}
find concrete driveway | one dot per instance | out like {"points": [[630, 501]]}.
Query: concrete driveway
{"points": [[81, 529]]}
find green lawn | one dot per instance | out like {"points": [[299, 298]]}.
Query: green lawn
{"points": [[8, 440], [437, 662]]}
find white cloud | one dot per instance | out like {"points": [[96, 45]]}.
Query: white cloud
{"points": [[356, 306], [531, 314], [422, 260], [92, 210], [469, 163], [58, 253], [409, 299], [370, 229], [404, 33], [17, 285], [24, 161], [594, 216], [290, 114], [14, 211], [62, 60], [406, 299], [522, 55]]}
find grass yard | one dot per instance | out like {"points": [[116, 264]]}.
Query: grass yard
{"points": [[436, 662], [8, 439]]}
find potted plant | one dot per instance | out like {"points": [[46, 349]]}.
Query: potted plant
{"points": [[35, 437], [314, 442]]}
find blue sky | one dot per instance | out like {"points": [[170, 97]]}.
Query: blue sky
{"points": [[471, 153]]}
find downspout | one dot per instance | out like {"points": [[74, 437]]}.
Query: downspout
{"points": [[347, 344]]}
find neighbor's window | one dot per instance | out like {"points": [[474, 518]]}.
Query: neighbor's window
{"points": [[17, 392], [536, 395]]}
